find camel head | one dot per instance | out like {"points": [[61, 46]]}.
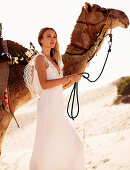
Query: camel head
{"points": [[94, 14], [89, 25], [90, 22]]}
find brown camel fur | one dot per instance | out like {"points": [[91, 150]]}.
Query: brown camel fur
{"points": [[83, 35]]}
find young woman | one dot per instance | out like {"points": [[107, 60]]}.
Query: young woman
{"points": [[57, 145]]}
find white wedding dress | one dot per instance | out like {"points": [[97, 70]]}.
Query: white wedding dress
{"points": [[57, 145]]}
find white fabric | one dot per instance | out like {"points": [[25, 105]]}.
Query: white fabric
{"points": [[57, 146], [31, 77]]}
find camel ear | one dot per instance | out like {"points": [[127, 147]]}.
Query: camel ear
{"points": [[88, 7]]}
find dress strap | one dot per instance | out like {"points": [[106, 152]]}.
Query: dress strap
{"points": [[46, 60], [60, 62], [61, 65]]}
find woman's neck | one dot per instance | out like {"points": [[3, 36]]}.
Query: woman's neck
{"points": [[46, 51]]}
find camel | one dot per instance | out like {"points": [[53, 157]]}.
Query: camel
{"points": [[92, 22]]}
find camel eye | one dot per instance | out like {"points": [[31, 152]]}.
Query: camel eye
{"points": [[98, 9], [104, 11]]}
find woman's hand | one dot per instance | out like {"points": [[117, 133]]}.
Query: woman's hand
{"points": [[75, 77]]}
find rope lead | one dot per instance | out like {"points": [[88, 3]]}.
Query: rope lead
{"points": [[75, 87]]}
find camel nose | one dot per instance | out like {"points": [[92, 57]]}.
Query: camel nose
{"points": [[126, 25], [127, 22]]}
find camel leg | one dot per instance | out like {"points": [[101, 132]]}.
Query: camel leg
{"points": [[5, 119]]}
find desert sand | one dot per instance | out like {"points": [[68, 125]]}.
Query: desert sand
{"points": [[104, 129]]}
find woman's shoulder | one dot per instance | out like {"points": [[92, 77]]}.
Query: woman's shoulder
{"points": [[40, 57]]}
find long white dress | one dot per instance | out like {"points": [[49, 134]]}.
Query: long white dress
{"points": [[57, 145]]}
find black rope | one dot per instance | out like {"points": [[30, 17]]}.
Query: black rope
{"points": [[75, 87]]}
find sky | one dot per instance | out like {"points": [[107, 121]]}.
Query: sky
{"points": [[22, 21]]}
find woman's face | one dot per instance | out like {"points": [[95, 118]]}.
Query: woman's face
{"points": [[49, 39]]}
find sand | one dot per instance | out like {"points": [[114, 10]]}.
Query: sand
{"points": [[104, 129]]}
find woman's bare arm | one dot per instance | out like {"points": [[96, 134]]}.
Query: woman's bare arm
{"points": [[63, 74], [40, 66]]}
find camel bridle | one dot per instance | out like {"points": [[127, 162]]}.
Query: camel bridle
{"points": [[87, 23]]}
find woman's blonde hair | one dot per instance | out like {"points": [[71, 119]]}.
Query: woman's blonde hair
{"points": [[54, 53]]}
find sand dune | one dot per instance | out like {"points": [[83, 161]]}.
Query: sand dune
{"points": [[103, 127]]}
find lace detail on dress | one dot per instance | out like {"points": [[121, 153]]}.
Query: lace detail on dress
{"points": [[60, 63], [29, 76]]}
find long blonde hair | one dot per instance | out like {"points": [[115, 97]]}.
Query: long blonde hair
{"points": [[54, 53]]}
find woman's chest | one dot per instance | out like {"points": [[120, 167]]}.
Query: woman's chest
{"points": [[55, 66], [53, 72]]}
